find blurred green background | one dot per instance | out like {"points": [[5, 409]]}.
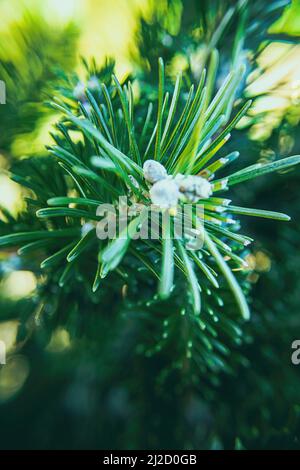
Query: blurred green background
{"points": [[56, 393]]}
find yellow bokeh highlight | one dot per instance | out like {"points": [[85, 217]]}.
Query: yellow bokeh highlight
{"points": [[279, 63], [259, 261], [10, 195], [107, 27], [289, 22], [35, 141], [275, 87], [18, 284], [13, 376], [8, 333], [60, 341]]}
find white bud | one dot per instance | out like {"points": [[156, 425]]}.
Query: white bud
{"points": [[87, 227], [79, 91], [93, 83], [167, 40], [165, 194], [88, 108], [154, 171], [193, 187]]}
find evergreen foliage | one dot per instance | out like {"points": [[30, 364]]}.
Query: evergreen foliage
{"points": [[157, 319]]}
